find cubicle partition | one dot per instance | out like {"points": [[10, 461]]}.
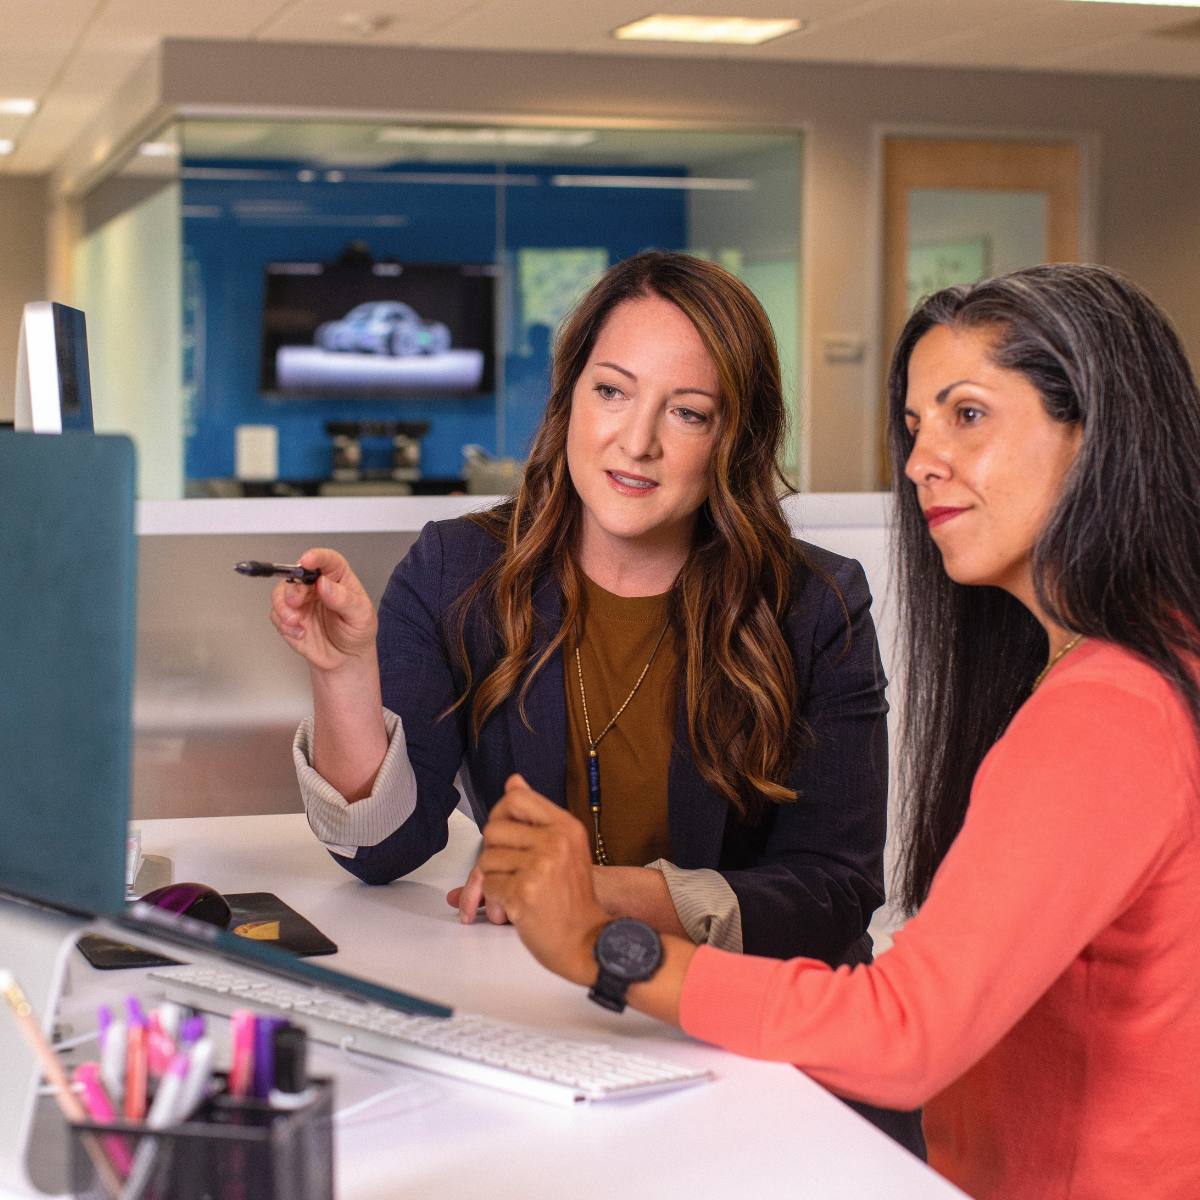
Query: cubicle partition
{"points": [[218, 694]]}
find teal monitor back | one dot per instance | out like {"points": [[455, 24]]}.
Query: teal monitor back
{"points": [[67, 590]]}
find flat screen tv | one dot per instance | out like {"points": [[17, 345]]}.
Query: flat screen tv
{"points": [[380, 329]]}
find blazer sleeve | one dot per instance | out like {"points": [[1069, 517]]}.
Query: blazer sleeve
{"points": [[813, 873], [419, 685]]}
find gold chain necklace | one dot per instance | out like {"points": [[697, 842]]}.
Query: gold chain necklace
{"points": [[600, 854], [1046, 669]]}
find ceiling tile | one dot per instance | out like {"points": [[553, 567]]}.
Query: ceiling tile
{"points": [[322, 21], [46, 24], [144, 22], [523, 25], [73, 54], [881, 32], [28, 72], [1032, 39]]}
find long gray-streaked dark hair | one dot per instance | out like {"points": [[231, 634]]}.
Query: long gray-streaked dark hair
{"points": [[1118, 559]]}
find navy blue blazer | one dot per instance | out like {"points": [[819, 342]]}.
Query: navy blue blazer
{"points": [[807, 877]]}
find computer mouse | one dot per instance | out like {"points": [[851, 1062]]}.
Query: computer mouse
{"points": [[195, 900]]}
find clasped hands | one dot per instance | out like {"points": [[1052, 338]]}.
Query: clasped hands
{"points": [[535, 870]]}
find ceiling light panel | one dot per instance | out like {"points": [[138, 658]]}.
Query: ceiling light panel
{"points": [[712, 31], [17, 106]]}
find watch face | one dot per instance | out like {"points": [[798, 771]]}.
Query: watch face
{"points": [[630, 949]]}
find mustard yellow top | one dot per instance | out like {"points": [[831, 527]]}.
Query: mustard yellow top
{"points": [[618, 637]]}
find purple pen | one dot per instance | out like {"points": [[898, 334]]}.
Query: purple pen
{"points": [[103, 1021], [264, 1055], [192, 1031]]}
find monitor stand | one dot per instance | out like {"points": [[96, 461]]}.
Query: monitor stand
{"points": [[34, 945]]}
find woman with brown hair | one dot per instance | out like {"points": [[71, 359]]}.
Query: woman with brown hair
{"points": [[638, 635]]}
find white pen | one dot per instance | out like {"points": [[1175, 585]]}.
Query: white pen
{"points": [[166, 1098], [199, 1074], [162, 1114], [112, 1063], [170, 1018]]}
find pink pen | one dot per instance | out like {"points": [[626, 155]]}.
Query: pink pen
{"points": [[86, 1078], [241, 1071], [160, 1047]]}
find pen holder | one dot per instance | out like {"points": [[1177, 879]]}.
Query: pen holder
{"points": [[230, 1149]]}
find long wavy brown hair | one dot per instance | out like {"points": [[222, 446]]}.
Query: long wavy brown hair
{"points": [[729, 601]]}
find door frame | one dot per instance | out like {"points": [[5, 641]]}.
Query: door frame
{"points": [[1088, 144]]}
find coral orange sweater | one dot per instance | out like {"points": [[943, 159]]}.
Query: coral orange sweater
{"points": [[1044, 1005]]}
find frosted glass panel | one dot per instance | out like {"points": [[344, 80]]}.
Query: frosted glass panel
{"points": [[962, 235], [127, 281]]}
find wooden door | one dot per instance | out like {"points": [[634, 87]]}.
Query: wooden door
{"points": [[1044, 180]]}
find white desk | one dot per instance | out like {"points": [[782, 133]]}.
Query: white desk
{"points": [[761, 1129]]}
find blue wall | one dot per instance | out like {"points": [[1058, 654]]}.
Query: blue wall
{"points": [[239, 216]]}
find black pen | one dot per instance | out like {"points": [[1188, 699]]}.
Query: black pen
{"points": [[290, 1088], [290, 571]]}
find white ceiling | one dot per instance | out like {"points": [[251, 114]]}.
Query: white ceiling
{"points": [[71, 55]]}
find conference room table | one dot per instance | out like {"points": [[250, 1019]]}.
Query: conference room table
{"points": [[758, 1129]]}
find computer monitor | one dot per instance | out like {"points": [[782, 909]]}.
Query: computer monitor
{"points": [[67, 593], [54, 390], [66, 667]]}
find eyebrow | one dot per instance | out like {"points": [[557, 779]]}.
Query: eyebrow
{"points": [[944, 394], [683, 391]]}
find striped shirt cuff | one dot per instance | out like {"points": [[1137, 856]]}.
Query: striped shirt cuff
{"points": [[707, 906], [344, 827]]}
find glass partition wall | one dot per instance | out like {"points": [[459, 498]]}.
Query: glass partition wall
{"points": [[127, 279], [302, 307]]}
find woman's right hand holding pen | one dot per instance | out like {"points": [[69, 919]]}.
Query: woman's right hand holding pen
{"points": [[331, 623]]}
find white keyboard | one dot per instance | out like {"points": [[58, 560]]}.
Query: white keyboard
{"points": [[468, 1047]]}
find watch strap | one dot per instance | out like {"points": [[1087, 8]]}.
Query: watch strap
{"points": [[609, 991]]}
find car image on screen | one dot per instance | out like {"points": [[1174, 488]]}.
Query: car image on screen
{"points": [[384, 327]]}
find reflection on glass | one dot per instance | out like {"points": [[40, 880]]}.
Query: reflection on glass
{"points": [[962, 235], [546, 208]]}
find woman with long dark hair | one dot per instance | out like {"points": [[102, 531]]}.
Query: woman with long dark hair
{"points": [[638, 634], [1042, 1003]]}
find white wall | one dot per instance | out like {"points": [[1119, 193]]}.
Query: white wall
{"points": [[23, 274]]}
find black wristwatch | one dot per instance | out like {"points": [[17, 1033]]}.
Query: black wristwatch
{"points": [[627, 951]]}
